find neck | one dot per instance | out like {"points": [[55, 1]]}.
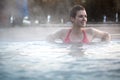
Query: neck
{"points": [[76, 30]]}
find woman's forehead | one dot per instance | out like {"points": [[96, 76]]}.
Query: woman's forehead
{"points": [[81, 12]]}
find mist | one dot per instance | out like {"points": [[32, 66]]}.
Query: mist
{"points": [[16, 27], [55, 11], [35, 19]]}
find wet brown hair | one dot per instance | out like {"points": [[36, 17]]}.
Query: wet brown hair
{"points": [[74, 10]]}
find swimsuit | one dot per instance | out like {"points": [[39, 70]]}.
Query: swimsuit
{"points": [[84, 40]]}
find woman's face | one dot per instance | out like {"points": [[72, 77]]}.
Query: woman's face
{"points": [[80, 19]]}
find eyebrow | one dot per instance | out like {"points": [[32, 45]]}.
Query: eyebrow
{"points": [[82, 15]]}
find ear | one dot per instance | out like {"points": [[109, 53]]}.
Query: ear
{"points": [[72, 19]]}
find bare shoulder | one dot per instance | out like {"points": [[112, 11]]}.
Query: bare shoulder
{"points": [[105, 36], [63, 30], [59, 34], [94, 30], [89, 30]]}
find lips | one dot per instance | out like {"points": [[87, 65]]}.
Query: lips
{"points": [[84, 22]]}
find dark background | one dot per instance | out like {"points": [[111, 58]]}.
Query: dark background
{"points": [[59, 9]]}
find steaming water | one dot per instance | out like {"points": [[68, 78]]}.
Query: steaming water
{"points": [[40, 60]]}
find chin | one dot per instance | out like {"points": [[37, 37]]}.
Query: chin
{"points": [[83, 25]]}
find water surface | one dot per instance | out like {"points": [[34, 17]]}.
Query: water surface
{"points": [[40, 60]]}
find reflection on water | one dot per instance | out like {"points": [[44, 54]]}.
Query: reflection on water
{"points": [[40, 60]]}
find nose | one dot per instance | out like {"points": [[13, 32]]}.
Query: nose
{"points": [[84, 18]]}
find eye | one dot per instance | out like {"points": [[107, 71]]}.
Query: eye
{"points": [[86, 16], [81, 16]]}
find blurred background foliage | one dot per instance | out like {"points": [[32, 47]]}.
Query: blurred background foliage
{"points": [[59, 9], [96, 9]]}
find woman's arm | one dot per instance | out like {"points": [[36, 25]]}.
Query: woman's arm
{"points": [[55, 36], [104, 36]]}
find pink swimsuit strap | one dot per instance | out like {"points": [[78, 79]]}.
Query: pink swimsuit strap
{"points": [[85, 39], [67, 39]]}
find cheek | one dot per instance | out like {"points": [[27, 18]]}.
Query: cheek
{"points": [[86, 19], [79, 19]]}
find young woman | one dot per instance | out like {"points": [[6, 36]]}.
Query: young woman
{"points": [[79, 32]]}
